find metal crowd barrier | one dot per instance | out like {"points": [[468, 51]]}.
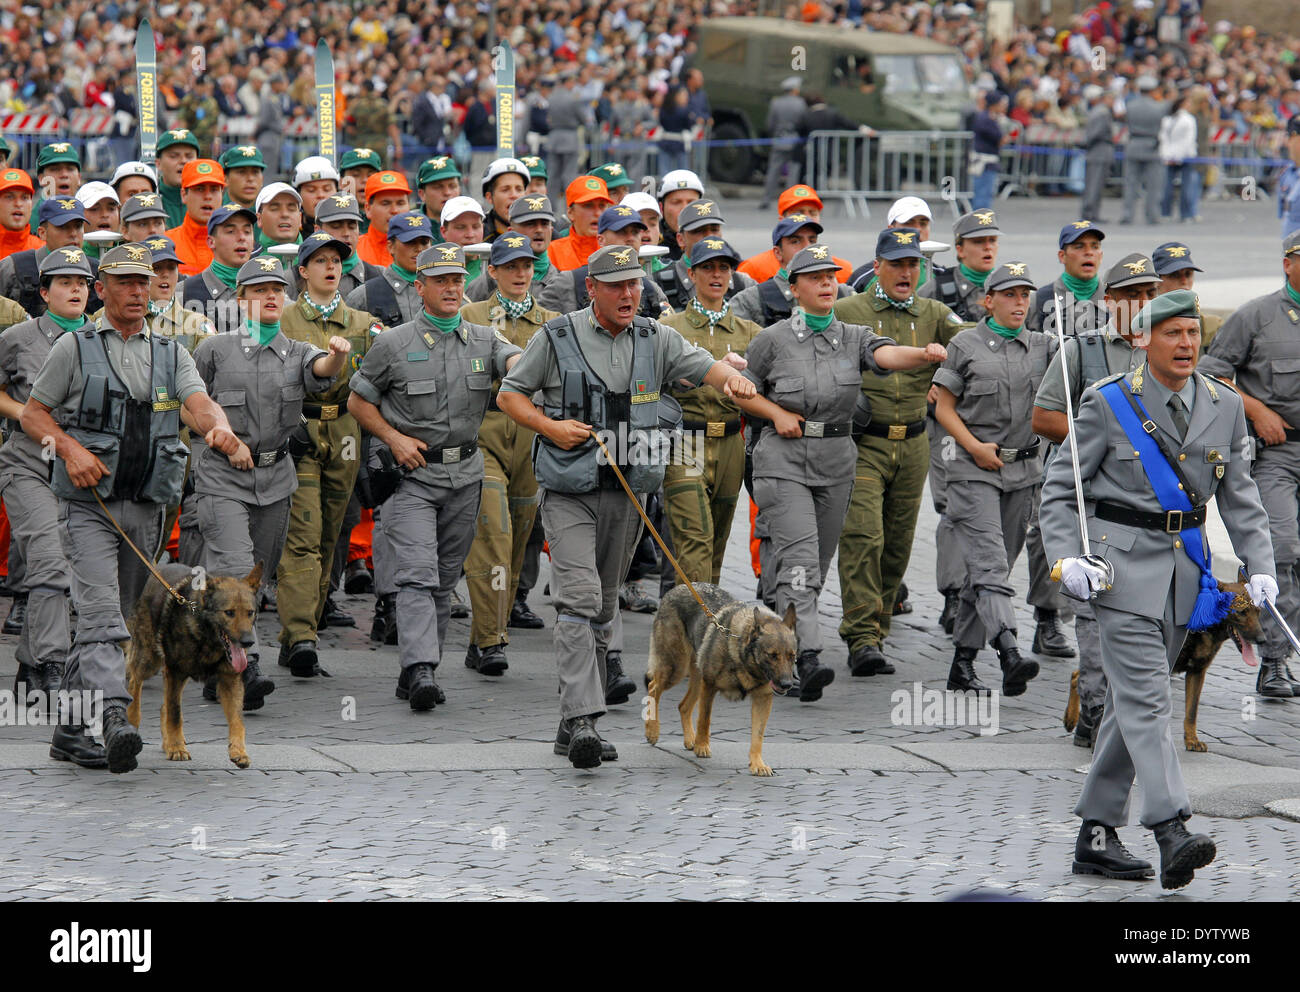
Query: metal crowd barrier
{"points": [[855, 168]]}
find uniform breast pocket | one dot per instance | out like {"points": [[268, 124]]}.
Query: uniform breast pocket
{"points": [[847, 373], [291, 398], [1215, 456], [788, 392], [422, 398], [235, 403], [980, 402], [1125, 466], [1286, 376]]}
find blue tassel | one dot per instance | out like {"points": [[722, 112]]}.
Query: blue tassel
{"points": [[1211, 607]]}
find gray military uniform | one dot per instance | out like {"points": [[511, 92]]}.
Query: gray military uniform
{"points": [[568, 112], [238, 518], [407, 293], [592, 535], [1099, 153], [1143, 615], [433, 387], [682, 274], [107, 576], [561, 295], [10, 285], [994, 380], [1080, 315], [802, 485], [483, 285], [221, 307], [1119, 356], [1259, 346], [1143, 172], [783, 116], [749, 305]]}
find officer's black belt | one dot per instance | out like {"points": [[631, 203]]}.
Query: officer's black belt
{"points": [[323, 411], [1292, 434], [895, 432], [818, 428], [265, 459], [1170, 523], [714, 428], [440, 456], [1016, 454]]}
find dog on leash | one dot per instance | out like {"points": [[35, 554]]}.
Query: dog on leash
{"points": [[211, 639], [1241, 624], [753, 655]]}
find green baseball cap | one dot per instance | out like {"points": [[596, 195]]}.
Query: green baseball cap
{"points": [[613, 174], [360, 156], [438, 167], [242, 157], [536, 166], [59, 151], [178, 136]]}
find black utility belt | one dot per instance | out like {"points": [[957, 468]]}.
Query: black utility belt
{"points": [[448, 456], [713, 428], [895, 432], [1292, 434], [1009, 455], [1170, 523], [265, 459], [324, 411]]}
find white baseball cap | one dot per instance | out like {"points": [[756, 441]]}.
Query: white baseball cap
{"points": [[134, 169], [96, 192], [458, 205], [680, 179], [907, 207], [270, 192], [641, 201], [314, 167]]}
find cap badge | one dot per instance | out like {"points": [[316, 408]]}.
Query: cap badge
{"points": [[1176, 251], [148, 199], [713, 244], [415, 220], [1136, 267], [514, 242], [71, 254], [248, 151], [68, 204], [623, 211], [448, 252], [136, 254], [622, 256], [536, 202], [818, 252], [592, 183], [614, 169], [1081, 224], [60, 147], [1016, 268], [984, 216], [904, 237], [267, 264]]}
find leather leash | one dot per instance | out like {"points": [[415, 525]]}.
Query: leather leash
{"points": [[191, 606]]}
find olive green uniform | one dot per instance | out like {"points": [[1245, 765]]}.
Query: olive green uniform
{"points": [[326, 473], [701, 487], [508, 506], [876, 542]]}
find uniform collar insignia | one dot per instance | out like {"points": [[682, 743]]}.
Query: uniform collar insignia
{"points": [[1136, 378]]}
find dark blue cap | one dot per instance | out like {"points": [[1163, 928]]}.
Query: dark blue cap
{"points": [[1076, 229], [320, 240], [162, 248], [409, 226], [60, 210], [224, 212], [790, 223], [899, 242], [617, 218], [1173, 256], [710, 248], [509, 247]]}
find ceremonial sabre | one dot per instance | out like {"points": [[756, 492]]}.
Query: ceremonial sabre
{"points": [[325, 115], [1275, 614], [505, 82], [1095, 560], [146, 91]]}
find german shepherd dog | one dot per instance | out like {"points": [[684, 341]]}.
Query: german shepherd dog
{"points": [[1241, 624], [210, 639], [753, 656]]}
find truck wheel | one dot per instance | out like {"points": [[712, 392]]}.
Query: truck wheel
{"points": [[731, 163]]}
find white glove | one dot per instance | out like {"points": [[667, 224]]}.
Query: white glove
{"points": [[1081, 578], [1261, 587]]}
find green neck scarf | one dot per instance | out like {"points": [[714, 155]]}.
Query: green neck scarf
{"points": [[444, 324], [90, 248], [1001, 331], [263, 333], [1295, 297], [976, 277], [226, 273], [783, 274], [1082, 289], [321, 310], [473, 266], [515, 310], [657, 265], [406, 274], [815, 323], [896, 304], [541, 266], [350, 262], [266, 242], [67, 323]]}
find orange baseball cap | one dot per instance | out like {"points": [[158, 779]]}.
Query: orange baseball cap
{"points": [[585, 189], [200, 171], [16, 179], [797, 197], [386, 182]]}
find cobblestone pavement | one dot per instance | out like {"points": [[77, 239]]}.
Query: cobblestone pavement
{"points": [[351, 796]]}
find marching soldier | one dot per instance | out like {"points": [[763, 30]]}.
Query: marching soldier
{"points": [[437, 182], [168, 318], [984, 393], [203, 185], [143, 217], [279, 216], [1174, 266], [339, 216], [393, 296], [62, 225], [212, 291], [176, 149], [1161, 580], [58, 173], [245, 169], [772, 300], [893, 453], [587, 200], [316, 178], [1078, 286], [504, 182], [531, 216], [623, 362], [809, 370], [16, 199], [798, 199], [387, 195], [538, 177], [422, 391], [1259, 347], [327, 471], [117, 469], [618, 226], [678, 188], [616, 180], [240, 505], [698, 220], [700, 495], [462, 225], [356, 167], [907, 211], [509, 504], [1089, 357], [130, 178]]}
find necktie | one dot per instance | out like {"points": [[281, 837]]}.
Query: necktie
{"points": [[1179, 417]]}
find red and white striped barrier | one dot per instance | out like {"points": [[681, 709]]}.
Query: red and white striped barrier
{"points": [[90, 122], [31, 123]]}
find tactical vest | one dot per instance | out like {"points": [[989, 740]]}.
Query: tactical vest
{"points": [[775, 305], [636, 425], [648, 308], [1093, 366], [949, 295], [224, 314], [679, 293], [382, 301], [138, 441], [28, 271]]}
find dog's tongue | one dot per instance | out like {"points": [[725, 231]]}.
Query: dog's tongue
{"points": [[238, 657], [1248, 654]]}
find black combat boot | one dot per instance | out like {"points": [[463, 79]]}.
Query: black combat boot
{"points": [[962, 677], [75, 745], [1099, 851], [1049, 638], [951, 603], [1085, 731], [1181, 853], [523, 617], [357, 579], [416, 684], [256, 685], [868, 660], [301, 660], [813, 676], [384, 629], [333, 616], [1270, 681], [1016, 671], [585, 746], [562, 738], [618, 687], [490, 660], [1286, 674], [121, 740], [17, 614]]}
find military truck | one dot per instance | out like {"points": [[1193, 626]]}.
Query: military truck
{"points": [[893, 82]]}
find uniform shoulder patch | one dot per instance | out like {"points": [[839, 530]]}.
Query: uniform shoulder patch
{"points": [[500, 337], [1213, 381], [376, 328]]}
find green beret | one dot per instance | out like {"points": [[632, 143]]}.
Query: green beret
{"points": [[1179, 303]]}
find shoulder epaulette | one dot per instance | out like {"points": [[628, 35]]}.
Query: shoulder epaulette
{"points": [[1110, 378], [1211, 381]]}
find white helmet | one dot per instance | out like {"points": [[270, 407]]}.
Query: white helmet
{"points": [[501, 167], [314, 167], [680, 179]]}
